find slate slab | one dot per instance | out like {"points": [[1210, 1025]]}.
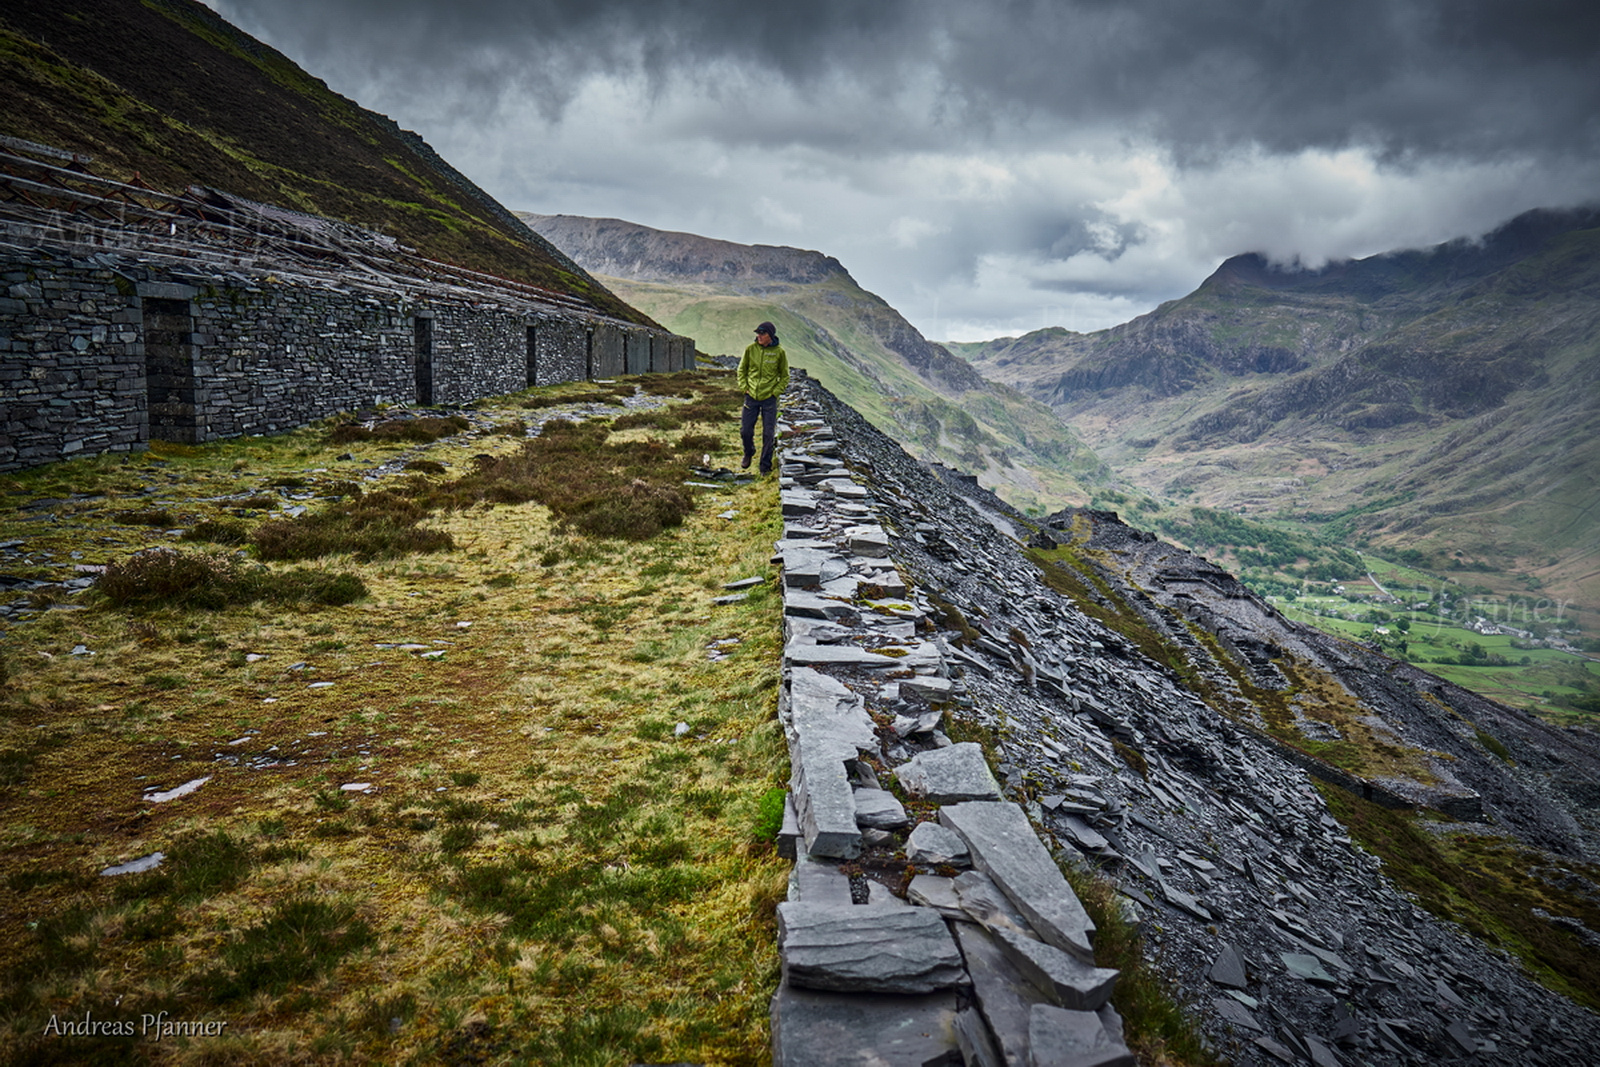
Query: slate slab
{"points": [[949, 775], [928, 687], [828, 725], [863, 1030], [1065, 979], [824, 705], [977, 1046], [936, 892], [1307, 967], [868, 539], [798, 502], [789, 831], [984, 903], [1184, 902], [1228, 969], [933, 844], [804, 654], [817, 880], [879, 809], [1004, 847], [1005, 998], [1060, 1037], [1237, 1014], [1083, 835], [844, 948], [811, 606]]}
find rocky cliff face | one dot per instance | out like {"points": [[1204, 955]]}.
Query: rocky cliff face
{"points": [[1248, 784]]}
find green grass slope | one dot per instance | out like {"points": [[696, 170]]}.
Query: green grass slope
{"points": [[850, 339], [168, 91]]}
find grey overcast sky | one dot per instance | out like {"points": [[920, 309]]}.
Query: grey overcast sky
{"points": [[992, 166]]}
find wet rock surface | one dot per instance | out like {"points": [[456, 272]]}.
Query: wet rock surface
{"points": [[1286, 939]]}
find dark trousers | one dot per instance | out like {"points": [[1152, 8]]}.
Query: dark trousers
{"points": [[768, 410]]}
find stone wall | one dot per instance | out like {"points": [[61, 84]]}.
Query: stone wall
{"points": [[987, 957], [103, 352]]}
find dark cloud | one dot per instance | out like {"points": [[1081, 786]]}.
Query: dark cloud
{"points": [[1468, 77], [986, 166]]}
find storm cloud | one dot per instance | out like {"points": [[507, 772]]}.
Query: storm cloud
{"points": [[992, 167]]}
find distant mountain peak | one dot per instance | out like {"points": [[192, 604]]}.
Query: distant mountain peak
{"points": [[1456, 261], [622, 249]]}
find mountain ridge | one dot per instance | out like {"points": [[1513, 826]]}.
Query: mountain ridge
{"points": [[935, 402], [1462, 378]]}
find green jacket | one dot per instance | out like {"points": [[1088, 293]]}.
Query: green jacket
{"points": [[763, 372]]}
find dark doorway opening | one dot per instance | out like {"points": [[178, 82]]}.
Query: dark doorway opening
{"points": [[533, 356], [424, 362], [169, 370]]}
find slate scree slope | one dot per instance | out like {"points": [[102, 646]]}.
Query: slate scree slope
{"points": [[1286, 940]]}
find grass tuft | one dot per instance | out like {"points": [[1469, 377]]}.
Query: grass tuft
{"points": [[168, 578], [218, 533]]}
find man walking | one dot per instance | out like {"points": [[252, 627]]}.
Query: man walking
{"points": [[763, 374]]}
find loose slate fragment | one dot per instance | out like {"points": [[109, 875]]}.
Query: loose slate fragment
{"points": [[136, 866], [817, 881], [1308, 968], [1058, 1037], [986, 904], [811, 1027], [932, 843], [977, 1047], [1068, 981], [936, 892], [1082, 834], [1184, 902], [844, 948], [949, 775], [879, 809], [1237, 1014], [1228, 969], [1005, 848], [1461, 1034]]}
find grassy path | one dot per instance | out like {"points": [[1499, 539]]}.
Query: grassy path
{"points": [[453, 820]]}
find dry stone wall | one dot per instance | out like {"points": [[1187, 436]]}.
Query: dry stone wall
{"points": [[102, 352], [986, 957]]}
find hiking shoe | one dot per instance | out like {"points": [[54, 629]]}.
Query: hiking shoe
{"points": [[745, 464]]}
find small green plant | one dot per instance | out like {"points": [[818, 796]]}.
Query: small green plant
{"points": [[769, 814], [1494, 745]]}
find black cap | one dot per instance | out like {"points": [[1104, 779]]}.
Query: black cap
{"points": [[767, 327]]}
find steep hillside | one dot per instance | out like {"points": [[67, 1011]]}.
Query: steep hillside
{"points": [[168, 93], [1444, 400], [716, 291]]}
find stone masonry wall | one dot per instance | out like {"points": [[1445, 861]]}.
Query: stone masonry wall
{"points": [[257, 354], [989, 961]]}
